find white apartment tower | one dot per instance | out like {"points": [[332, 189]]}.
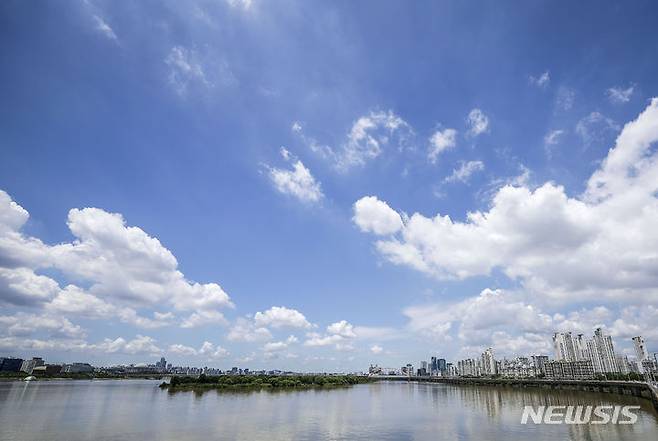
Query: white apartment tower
{"points": [[605, 352], [599, 350], [488, 362], [565, 347], [641, 352]]}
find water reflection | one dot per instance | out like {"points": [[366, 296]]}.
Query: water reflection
{"points": [[137, 410]]}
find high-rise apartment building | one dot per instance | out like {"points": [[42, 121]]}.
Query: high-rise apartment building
{"points": [[488, 362], [606, 351], [641, 353], [565, 347]]}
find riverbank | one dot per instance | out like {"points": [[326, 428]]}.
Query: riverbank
{"points": [[634, 388], [246, 382], [19, 376]]}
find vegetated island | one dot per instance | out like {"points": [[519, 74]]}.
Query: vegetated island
{"points": [[233, 382]]}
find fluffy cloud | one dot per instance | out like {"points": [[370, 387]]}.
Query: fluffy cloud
{"points": [[204, 318], [279, 317], [478, 317], [374, 216], [297, 182], [598, 245], [620, 95], [24, 324], [246, 331], [126, 263], [465, 171], [315, 339], [342, 328], [179, 349], [636, 320], [478, 122], [213, 352], [441, 141], [376, 349], [509, 322], [21, 286], [207, 350], [277, 346], [338, 334], [121, 267], [75, 301], [141, 344], [366, 140]]}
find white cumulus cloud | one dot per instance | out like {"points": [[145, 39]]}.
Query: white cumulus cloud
{"points": [[600, 244], [375, 216], [297, 181], [279, 317], [440, 141]]}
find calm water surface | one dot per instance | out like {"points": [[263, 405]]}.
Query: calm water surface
{"points": [[139, 410]]}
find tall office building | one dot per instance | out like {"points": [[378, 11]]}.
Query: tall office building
{"points": [[433, 366], [441, 365], [641, 353]]}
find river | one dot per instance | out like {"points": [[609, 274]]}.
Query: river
{"points": [[139, 410]]}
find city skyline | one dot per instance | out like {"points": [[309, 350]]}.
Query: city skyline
{"points": [[568, 353], [232, 184]]}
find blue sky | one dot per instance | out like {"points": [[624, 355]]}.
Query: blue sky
{"points": [[294, 155]]}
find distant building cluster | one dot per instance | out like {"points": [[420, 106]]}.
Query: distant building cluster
{"points": [[576, 357], [37, 366]]}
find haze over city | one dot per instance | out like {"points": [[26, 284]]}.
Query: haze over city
{"points": [[313, 187]]}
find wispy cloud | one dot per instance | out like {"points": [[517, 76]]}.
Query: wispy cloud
{"points": [[540, 81], [553, 137], [478, 122], [594, 126], [297, 181], [465, 171], [243, 4], [565, 98], [104, 28], [368, 137], [620, 95], [441, 141]]}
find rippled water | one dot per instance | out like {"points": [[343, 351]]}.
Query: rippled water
{"points": [[139, 410]]}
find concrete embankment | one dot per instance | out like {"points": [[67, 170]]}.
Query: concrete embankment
{"points": [[634, 388]]}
